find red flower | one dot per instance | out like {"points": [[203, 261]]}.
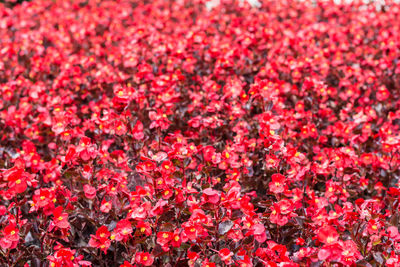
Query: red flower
{"points": [[145, 167], [3, 210], [102, 232], [62, 257], [176, 239], [144, 258], [66, 257], [210, 196], [126, 264], [122, 231], [373, 227], [190, 231], [137, 213], [206, 263], [137, 131], [367, 158], [159, 119], [10, 237], [278, 183], [382, 93], [328, 235], [144, 228], [120, 128], [350, 254], [7, 244], [43, 198], [259, 232], [100, 240], [208, 153], [60, 218], [167, 193], [105, 206], [16, 179], [300, 241], [167, 167], [163, 238], [86, 150], [11, 232], [281, 212], [90, 191], [226, 255]]}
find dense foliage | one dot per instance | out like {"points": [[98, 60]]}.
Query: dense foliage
{"points": [[172, 133]]}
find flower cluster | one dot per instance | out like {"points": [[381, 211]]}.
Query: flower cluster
{"points": [[179, 133]]}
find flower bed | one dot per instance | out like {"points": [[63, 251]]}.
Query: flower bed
{"points": [[174, 133]]}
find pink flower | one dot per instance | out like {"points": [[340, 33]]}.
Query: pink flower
{"points": [[226, 255], [90, 191]]}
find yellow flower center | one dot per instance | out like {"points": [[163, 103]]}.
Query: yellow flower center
{"points": [[330, 239]]}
